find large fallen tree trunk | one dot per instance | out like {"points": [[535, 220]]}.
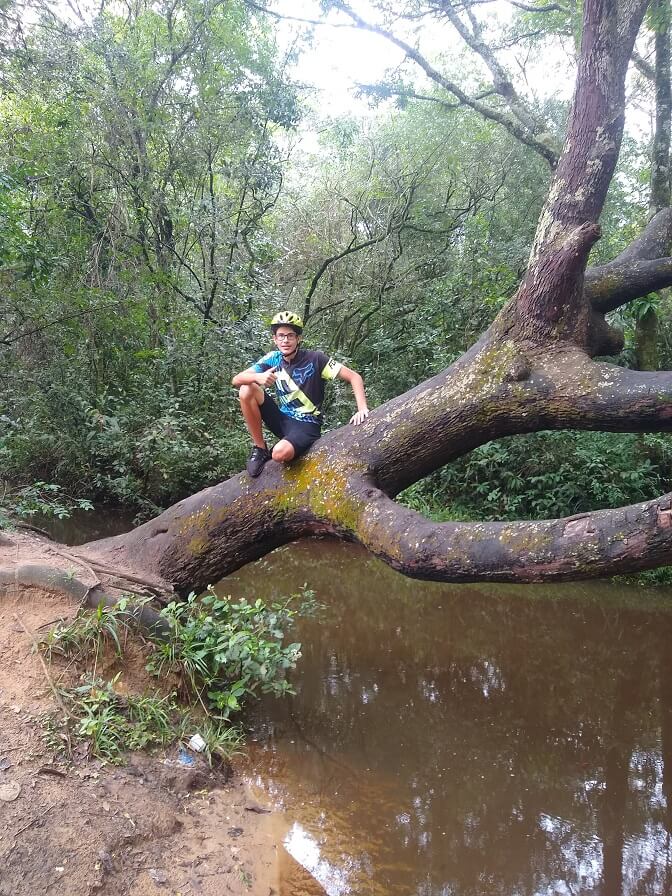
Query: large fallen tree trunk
{"points": [[532, 370]]}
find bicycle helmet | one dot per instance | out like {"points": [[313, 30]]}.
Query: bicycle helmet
{"points": [[287, 319]]}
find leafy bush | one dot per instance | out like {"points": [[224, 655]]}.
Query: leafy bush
{"points": [[91, 632], [662, 576], [153, 430], [223, 651], [547, 475], [45, 499]]}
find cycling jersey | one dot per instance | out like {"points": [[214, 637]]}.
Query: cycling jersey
{"points": [[299, 383]]}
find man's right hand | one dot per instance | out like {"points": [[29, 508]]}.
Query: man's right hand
{"points": [[267, 378]]}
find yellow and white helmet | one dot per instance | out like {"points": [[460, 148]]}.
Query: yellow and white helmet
{"points": [[288, 319]]}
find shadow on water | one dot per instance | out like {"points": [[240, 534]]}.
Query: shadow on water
{"points": [[469, 739]]}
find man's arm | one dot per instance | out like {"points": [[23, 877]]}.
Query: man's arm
{"points": [[249, 376], [357, 386]]}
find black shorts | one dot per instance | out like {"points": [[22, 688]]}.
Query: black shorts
{"points": [[300, 435]]}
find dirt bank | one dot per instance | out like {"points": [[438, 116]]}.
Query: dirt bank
{"points": [[149, 827]]}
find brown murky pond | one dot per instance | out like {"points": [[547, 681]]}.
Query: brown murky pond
{"points": [[451, 740]]}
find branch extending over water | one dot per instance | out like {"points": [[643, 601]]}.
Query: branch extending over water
{"points": [[606, 542]]}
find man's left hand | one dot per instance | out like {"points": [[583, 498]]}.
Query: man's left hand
{"points": [[359, 417]]}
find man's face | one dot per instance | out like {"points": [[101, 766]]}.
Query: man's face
{"points": [[286, 340]]}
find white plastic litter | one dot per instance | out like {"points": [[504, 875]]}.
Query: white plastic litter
{"points": [[196, 743]]}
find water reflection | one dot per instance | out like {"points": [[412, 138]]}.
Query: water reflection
{"points": [[471, 740], [86, 525], [307, 852]]}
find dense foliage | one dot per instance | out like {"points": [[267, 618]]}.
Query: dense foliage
{"points": [[544, 475], [139, 160]]}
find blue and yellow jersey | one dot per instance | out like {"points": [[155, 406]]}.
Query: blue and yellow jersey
{"points": [[299, 384]]}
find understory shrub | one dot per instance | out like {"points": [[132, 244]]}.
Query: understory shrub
{"points": [[135, 450], [224, 651], [547, 475], [134, 426]]}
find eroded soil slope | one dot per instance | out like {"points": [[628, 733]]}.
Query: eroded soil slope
{"points": [[80, 827]]}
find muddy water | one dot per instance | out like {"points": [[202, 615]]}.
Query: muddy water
{"points": [[85, 525], [469, 740]]}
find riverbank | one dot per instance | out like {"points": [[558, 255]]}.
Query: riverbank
{"points": [[81, 827]]}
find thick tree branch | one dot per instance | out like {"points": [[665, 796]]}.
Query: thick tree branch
{"points": [[654, 241], [605, 542], [509, 391], [643, 267], [550, 303], [610, 286], [496, 392]]}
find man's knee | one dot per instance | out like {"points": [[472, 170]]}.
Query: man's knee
{"points": [[283, 451], [248, 393]]}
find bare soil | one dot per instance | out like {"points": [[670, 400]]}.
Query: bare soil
{"points": [[73, 827]]}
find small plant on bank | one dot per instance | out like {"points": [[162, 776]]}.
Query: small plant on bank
{"points": [[662, 576], [222, 740], [91, 632], [112, 723], [221, 652]]}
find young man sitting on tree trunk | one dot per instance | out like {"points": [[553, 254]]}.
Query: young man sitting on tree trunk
{"points": [[299, 376]]}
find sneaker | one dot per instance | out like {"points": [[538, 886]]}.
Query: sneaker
{"points": [[257, 459]]}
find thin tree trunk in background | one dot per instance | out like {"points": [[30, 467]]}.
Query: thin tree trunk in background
{"points": [[646, 326], [660, 168]]}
